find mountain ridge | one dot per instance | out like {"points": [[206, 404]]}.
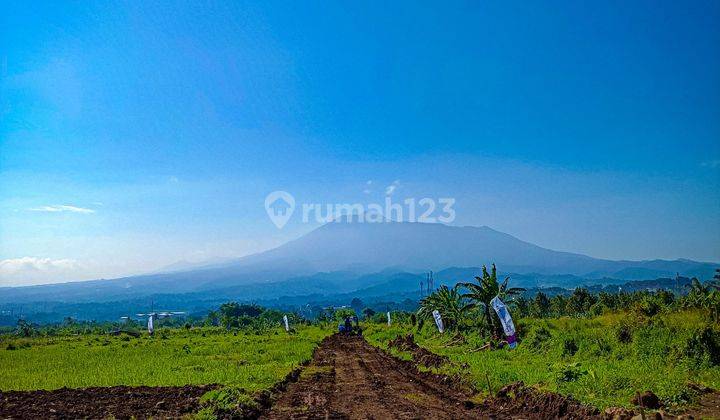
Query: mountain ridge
{"points": [[346, 252]]}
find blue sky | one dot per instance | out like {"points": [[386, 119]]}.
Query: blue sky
{"points": [[161, 127]]}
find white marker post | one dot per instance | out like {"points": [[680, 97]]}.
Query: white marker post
{"points": [[151, 329], [438, 321], [388, 314], [287, 325]]}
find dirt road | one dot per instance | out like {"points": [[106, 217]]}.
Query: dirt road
{"points": [[349, 378]]}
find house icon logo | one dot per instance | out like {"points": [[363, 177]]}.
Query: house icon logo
{"points": [[279, 206]]}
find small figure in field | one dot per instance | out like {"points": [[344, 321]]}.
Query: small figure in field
{"points": [[350, 326]]}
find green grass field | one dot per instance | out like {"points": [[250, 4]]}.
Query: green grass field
{"points": [[590, 359], [601, 361], [171, 357]]}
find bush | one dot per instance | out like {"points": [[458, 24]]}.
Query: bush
{"points": [[539, 336], [571, 372], [649, 306], [570, 347], [229, 402], [624, 333], [703, 347]]}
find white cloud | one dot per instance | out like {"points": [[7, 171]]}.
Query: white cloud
{"points": [[390, 189], [60, 208], [32, 270]]}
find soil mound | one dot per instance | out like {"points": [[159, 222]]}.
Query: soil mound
{"points": [[516, 399], [420, 355], [647, 400]]}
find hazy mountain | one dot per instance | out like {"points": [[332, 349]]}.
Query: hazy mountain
{"points": [[371, 247], [342, 257]]}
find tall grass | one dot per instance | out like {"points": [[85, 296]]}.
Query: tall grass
{"points": [[171, 357], [601, 361]]}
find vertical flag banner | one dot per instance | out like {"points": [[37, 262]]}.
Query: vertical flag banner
{"points": [[287, 325], [151, 328], [388, 314], [506, 320], [438, 321]]}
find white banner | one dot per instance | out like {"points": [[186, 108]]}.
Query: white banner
{"points": [[506, 320], [287, 324], [388, 314], [438, 321], [151, 329]]}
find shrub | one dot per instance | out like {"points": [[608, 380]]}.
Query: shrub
{"points": [[571, 372], [624, 333], [539, 336], [230, 402], [648, 306], [703, 347], [570, 347]]}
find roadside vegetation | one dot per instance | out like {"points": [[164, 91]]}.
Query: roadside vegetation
{"points": [[239, 345], [173, 356], [601, 349]]}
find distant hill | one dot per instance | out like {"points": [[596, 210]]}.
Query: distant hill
{"points": [[342, 257]]}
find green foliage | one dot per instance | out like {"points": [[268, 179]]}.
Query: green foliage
{"points": [[539, 336], [571, 372], [486, 288], [25, 329], [601, 360], [202, 355], [540, 307], [569, 347], [449, 303], [702, 348], [230, 401], [580, 302], [368, 313]]}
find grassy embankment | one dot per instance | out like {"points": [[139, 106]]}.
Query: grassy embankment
{"points": [[171, 357], [601, 361]]}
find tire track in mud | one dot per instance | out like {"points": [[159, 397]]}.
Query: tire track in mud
{"points": [[349, 378]]}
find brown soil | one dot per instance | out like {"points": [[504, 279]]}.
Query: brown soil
{"points": [[347, 378], [420, 355], [518, 400], [120, 402], [708, 407], [350, 379]]}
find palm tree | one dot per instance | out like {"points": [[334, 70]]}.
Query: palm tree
{"points": [[486, 288], [449, 302]]}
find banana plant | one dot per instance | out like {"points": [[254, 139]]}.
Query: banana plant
{"points": [[484, 290], [449, 302]]}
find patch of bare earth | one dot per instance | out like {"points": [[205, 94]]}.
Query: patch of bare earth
{"points": [[350, 379], [120, 402]]}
